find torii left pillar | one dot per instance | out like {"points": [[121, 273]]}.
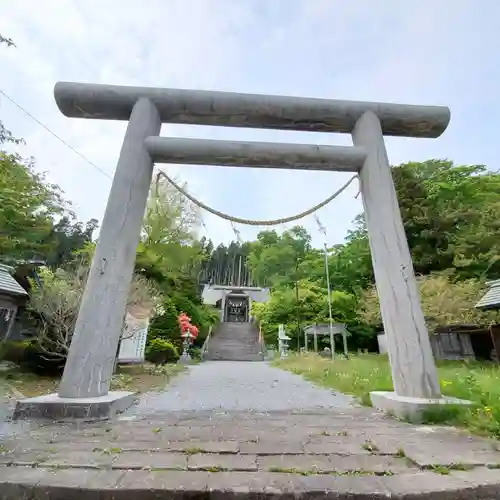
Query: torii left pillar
{"points": [[83, 392]]}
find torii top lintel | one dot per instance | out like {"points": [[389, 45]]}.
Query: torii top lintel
{"points": [[201, 107]]}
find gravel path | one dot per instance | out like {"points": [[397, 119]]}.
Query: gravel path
{"points": [[239, 386]]}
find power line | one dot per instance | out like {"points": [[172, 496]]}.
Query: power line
{"points": [[27, 113], [92, 164]]}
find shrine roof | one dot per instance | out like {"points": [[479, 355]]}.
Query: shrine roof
{"points": [[491, 299], [8, 285]]}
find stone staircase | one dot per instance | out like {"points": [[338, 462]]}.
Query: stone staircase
{"points": [[234, 342]]}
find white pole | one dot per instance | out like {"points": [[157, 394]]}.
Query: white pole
{"points": [[332, 340]]}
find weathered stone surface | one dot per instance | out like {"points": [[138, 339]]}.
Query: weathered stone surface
{"points": [[296, 463], [214, 462], [436, 454], [155, 460], [21, 475], [43, 484], [272, 447], [202, 107], [72, 461], [203, 446], [75, 459], [54, 407], [413, 368], [427, 485], [227, 484], [486, 482], [177, 481], [370, 463], [340, 487], [339, 445]]}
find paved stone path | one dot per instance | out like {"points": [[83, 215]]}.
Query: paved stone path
{"points": [[264, 449], [240, 386]]}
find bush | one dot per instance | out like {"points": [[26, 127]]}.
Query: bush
{"points": [[42, 363], [165, 325], [195, 353], [160, 351], [14, 351], [27, 354]]}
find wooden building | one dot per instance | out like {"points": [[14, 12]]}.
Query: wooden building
{"points": [[466, 342], [12, 296], [462, 342]]}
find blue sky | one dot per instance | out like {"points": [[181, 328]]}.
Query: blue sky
{"points": [[409, 51]]}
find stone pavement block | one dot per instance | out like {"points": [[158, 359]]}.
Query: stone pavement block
{"points": [[295, 463], [61, 484], [81, 478], [25, 475], [339, 448], [76, 438], [484, 481], [183, 433], [154, 460], [177, 482], [384, 445], [370, 463], [272, 447], [449, 438], [109, 446], [327, 487], [6, 457], [223, 485], [208, 461], [428, 485], [36, 484], [151, 434], [26, 445], [67, 459], [437, 454], [203, 446], [30, 458], [232, 432]]}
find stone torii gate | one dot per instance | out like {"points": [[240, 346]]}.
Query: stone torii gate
{"points": [[84, 388]]}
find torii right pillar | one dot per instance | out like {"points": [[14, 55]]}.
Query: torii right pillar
{"points": [[414, 374]]}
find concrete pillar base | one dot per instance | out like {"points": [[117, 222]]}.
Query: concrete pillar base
{"points": [[54, 407], [415, 410]]}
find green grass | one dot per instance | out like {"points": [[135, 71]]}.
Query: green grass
{"points": [[135, 378], [361, 374]]}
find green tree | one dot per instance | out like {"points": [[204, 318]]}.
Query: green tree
{"points": [[277, 260], [169, 248], [445, 301], [69, 236], [450, 213], [170, 254], [28, 206]]}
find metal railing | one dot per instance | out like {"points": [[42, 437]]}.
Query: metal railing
{"points": [[204, 347], [262, 344]]}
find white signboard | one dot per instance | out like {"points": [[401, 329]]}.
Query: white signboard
{"points": [[133, 342]]}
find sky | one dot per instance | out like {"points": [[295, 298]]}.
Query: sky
{"points": [[426, 52]]}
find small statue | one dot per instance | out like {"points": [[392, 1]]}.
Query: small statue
{"points": [[326, 353]]}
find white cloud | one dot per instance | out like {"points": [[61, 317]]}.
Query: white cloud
{"points": [[418, 52]]}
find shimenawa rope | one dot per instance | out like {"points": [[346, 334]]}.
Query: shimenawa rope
{"points": [[249, 222]]}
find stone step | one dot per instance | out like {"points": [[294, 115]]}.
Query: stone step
{"points": [[228, 455], [234, 342]]}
